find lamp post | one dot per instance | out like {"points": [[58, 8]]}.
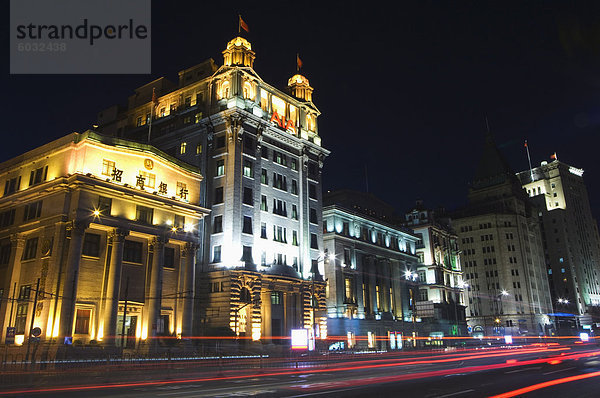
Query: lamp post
{"points": [[497, 321]]}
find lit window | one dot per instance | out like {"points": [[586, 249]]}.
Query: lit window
{"points": [[220, 167], [217, 254], [224, 90], [248, 91], [264, 100], [198, 149], [247, 168], [82, 321], [278, 105], [182, 148]]}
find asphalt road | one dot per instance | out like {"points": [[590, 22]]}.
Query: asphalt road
{"points": [[480, 373]]}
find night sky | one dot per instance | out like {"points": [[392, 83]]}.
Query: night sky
{"points": [[403, 91]]}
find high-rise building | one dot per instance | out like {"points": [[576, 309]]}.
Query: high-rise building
{"points": [[98, 240], [441, 298], [370, 269], [571, 236], [503, 256], [261, 263]]}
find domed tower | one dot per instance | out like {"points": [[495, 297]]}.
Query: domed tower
{"points": [[300, 87], [239, 53]]}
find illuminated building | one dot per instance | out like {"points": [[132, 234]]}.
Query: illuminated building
{"points": [[104, 224], [571, 236], [260, 152], [441, 299], [370, 268], [502, 252]]}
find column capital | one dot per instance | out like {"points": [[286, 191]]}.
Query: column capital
{"points": [[77, 226], [159, 240], [189, 249], [17, 239], [118, 234]]}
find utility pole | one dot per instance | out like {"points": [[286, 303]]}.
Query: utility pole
{"points": [[37, 289]]}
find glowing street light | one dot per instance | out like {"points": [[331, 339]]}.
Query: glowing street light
{"points": [[504, 292]]}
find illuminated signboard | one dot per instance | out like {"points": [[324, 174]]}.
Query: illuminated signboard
{"points": [[284, 124], [508, 339], [585, 337], [299, 339]]}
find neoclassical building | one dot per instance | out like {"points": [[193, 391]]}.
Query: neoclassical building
{"points": [[371, 271], [503, 255], [441, 298], [261, 259], [108, 228]]}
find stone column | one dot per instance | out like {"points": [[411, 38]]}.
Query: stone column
{"points": [[373, 285], [189, 255], [69, 290], [113, 285], [156, 277], [386, 299], [17, 242]]}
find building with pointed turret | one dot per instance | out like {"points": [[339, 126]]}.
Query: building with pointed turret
{"points": [[260, 268], [503, 256]]}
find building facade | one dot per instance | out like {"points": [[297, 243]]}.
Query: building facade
{"points": [[370, 269], [98, 241], [441, 299], [571, 236], [503, 256], [261, 261]]}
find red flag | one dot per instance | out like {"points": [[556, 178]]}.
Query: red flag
{"points": [[243, 25], [298, 61], [553, 156], [525, 143], [154, 97]]}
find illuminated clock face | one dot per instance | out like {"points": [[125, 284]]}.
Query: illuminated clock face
{"points": [[148, 164]]}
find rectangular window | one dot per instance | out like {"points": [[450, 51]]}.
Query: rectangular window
{"points": [[347, 257], [279, 158], [423, 296], [21, 318], [263, 230], [294, 164], [198, 148], [30, 250], [32, 211], [276, 298], [264, 178], [220, 142], [294, 187], [247, 168], [313, 217], [264, 152], [312, 191], [7, 218], [263, 203], [5, 252], [149, 179], [294, 212], [179, 221], [217, 254], [144, 214], [248, 196], [12, 185], [247, 255], [218, 195], [247, 225], [217, 224], [220, 169], [91, 245], [248, 144], [182, 148], [82, 321], [295, 238], [314, 243], [132, 251], [169, 257], [279, 182], [38, 175], [104, 205]]}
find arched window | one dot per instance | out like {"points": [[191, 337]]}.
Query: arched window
{"points": [[248, 91], [224, 92]]}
